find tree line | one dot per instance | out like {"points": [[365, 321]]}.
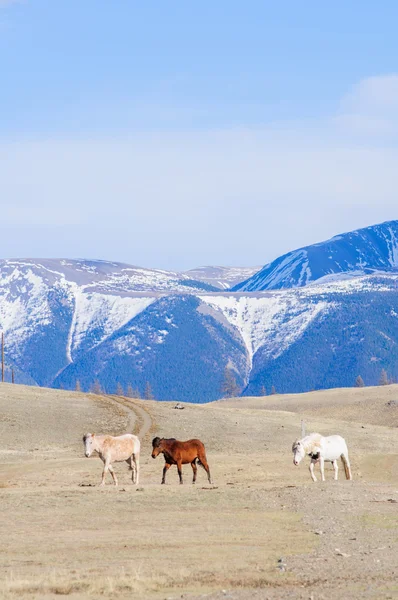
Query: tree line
{"points": [[129, 392]]}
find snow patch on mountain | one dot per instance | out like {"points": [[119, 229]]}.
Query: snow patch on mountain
{"points": [[392, 245], [274, 321], [101, 312], [136, 279], [23, 304]]}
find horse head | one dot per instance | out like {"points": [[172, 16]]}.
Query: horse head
{"points": [[298, 452], [156, 446], [88, 441]]}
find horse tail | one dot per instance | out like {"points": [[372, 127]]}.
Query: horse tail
{"points": [[346, 464]]}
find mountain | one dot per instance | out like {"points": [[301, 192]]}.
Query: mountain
{"points": [[66, 321], [222, 278], [356, 253], [309, 338], [54, 312]]}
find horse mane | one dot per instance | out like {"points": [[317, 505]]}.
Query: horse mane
{"points": [[294, 446], [309, 442], [156, 441]]}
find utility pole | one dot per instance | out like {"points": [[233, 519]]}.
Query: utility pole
{"points": [[2, 357], [12, 376]]}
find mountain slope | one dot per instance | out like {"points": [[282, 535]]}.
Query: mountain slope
{"points": [[180, 349], [358, 252], [357, 334], [50, 311]]}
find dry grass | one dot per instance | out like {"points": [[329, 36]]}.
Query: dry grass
{"points": [[66, 536], [373, 405]]}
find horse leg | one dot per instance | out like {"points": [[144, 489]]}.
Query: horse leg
{"points": [[179, 469], [165, 469], [322, 467], [336, 469], [194, 469], [136, 468], [104, 472], [347, 466], [133, 468], [112, 472], [312, 464], [203, 463]]}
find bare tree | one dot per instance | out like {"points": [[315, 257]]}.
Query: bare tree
{"points": [[383, 377], [78, 386], [119, 390], [96, 387], [132, 392], [263, 391], [273, 391], [2, 357], [148, 395], [359, 382]]}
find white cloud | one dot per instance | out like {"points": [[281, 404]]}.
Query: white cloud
{"points": [[371, 106], [373, 95], [176, 200]]}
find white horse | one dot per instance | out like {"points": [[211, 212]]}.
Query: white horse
{"points": [[322, 449], [115, 449]]}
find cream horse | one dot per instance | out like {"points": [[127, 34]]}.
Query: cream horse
{"points": [[322, 449], [115, 449]]}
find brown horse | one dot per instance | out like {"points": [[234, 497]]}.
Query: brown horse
{"points": [[180, 453]]}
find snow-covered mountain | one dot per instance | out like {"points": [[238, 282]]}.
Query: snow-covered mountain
{"points": [[357, 252], [101, 275], [55, 311], [296, 340], [223, 278], [67, 321]]}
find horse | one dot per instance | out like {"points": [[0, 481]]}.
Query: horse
{"points": [[115, 449], [322, 449], [181, 453]]}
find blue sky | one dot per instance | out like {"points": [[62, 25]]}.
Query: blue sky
{"points": [[179, 134]]}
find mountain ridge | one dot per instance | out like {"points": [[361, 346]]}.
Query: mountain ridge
{"points": [[75, 320], [359, 252]]}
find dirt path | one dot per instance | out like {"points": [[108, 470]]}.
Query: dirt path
{"points": [[140, 420]]}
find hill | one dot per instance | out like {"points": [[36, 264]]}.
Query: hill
{"points": [[369, 405], [266, 528]]}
